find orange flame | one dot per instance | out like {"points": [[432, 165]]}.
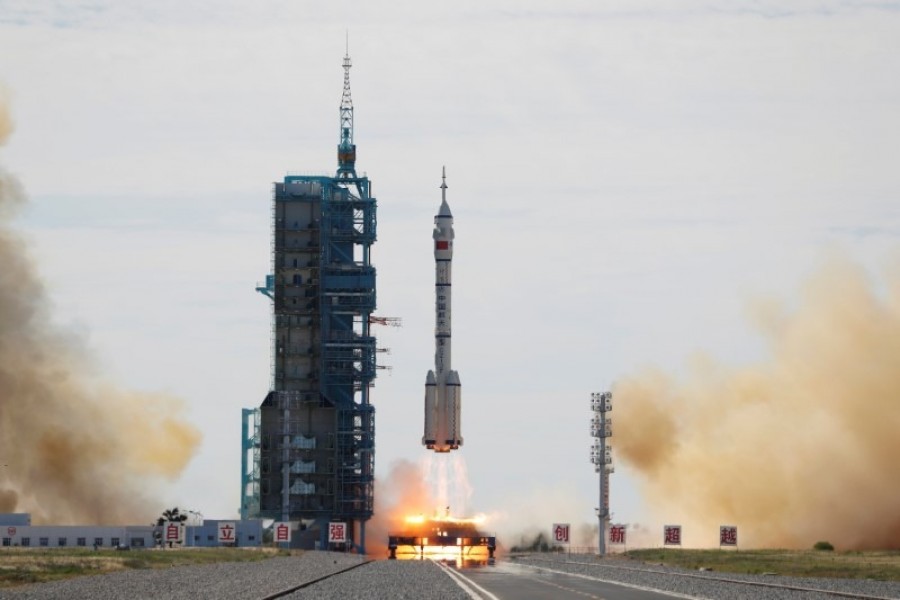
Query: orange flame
{"points": [[403, 502]]}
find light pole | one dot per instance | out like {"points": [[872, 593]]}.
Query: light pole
{"points": [[601, 457]]}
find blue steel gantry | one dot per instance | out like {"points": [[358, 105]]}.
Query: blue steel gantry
{"points": [[316, 441]]}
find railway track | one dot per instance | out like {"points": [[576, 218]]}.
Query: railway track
{"points": [[378, 580], [295, 588]]}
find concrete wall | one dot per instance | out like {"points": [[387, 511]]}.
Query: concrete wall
{"points": [[248, 533], [16, 531], [73, 536]]}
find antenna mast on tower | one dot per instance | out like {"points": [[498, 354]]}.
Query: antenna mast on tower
{"points": [[346, 148]]}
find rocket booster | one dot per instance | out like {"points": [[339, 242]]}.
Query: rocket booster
{"points": [[442, 387]]}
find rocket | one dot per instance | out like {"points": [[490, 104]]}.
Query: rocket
{"points": [[442, 387]]}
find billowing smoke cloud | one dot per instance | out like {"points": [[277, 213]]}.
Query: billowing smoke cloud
{"points": [[801, 448], [73, 448], [5, 119]]}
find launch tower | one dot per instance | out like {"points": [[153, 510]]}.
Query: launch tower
{"points": [[313, 435]]}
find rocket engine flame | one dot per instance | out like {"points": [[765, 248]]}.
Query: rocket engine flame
{"points": [[77, 449], [446, 519], [416, 500], [794, 450], [445, 538]]}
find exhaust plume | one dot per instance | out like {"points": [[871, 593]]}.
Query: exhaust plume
{"points": [[448, 477], [797, 449], [436, 486], [404, 492], [74, 449]]}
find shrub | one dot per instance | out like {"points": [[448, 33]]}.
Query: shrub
{"points": [[823, 546]]}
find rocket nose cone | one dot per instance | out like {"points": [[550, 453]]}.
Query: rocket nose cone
{"points": [[453, 378], [444, 210], [430, 378]]}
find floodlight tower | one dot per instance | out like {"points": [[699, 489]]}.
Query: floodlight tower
{"points": [[601, 457]]}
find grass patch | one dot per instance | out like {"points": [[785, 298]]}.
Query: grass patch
{"points": [[879, 565], [20, 566]]}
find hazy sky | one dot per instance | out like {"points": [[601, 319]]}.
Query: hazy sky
{"points": [[624, 176]]}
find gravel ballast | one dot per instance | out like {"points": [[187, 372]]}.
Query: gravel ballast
{"points": [[704, 585], [387, 580], [225, 581]]}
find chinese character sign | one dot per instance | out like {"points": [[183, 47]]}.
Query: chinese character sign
{"points": [[173, 533], [227, 533], [616, 534], [728, 535], [337, 533], [281, 532], [672, 535], [561, 532]]}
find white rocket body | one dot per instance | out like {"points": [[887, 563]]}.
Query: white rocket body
{"points": [[442, 387]]}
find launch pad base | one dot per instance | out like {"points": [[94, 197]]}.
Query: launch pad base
{"points": [[464, 550]]}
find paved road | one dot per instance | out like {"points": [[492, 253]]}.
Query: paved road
{"points": [[512, 581]]}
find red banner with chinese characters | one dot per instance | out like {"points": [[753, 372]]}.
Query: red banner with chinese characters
{"points": [[672, 535], [616, 534], [727, 535]]}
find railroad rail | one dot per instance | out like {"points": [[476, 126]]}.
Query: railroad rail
{"points": [[306, 584]]}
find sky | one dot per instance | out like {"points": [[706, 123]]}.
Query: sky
{"points": [[626, 179]]}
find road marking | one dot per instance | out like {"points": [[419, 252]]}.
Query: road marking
{"points": [[568, 589], [461, 580], [628, 585]]}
